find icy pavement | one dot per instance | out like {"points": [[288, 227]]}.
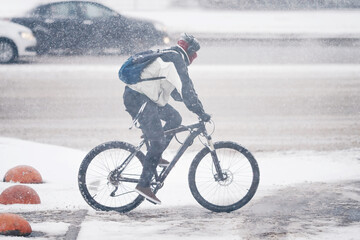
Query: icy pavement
{"points": [[302, 195]]}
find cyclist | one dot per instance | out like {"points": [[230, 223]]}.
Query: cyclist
{"points": [[147, 103]]}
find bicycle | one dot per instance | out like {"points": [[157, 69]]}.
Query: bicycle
{"points": [[223, 176]]}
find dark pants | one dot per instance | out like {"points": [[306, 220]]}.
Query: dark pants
{"points": [[150, 124]]}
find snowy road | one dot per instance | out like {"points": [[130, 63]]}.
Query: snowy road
{"points": [[293, 102], [296, 212], [300, 119], [77, 101]]}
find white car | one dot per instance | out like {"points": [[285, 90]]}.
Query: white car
{"points": [[16, 41]]}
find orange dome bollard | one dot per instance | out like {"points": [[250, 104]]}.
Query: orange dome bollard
{"points": [[14, 225], [19, 194], [23, 174]]}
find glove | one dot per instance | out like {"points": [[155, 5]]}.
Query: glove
{"points": [[176, 95], [205, 117]]}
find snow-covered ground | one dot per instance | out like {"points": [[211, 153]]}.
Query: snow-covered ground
{"points": [[59, 192]]}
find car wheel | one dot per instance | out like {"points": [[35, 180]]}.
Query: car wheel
{"points": [[8, 52]]}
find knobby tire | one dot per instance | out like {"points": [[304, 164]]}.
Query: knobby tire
{"points": [[242, 177]]}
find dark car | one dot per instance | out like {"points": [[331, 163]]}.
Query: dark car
{"points": [[81, 26]]}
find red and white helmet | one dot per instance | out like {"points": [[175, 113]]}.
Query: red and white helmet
{"points": [[190, 45]]}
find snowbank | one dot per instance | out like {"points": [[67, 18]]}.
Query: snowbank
{"points": [[243, 24], [259, 24]]}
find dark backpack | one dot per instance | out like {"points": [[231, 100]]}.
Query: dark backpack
{"points": [[130, 71]]}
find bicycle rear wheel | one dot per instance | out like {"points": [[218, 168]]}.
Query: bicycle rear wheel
{"points": [[241, 177], [104, 189]]}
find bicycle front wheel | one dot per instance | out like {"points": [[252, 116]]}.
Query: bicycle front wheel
{"points": [[239, 182], [100, 182]]}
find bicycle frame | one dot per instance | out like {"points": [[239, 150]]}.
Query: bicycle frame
{"points": [[195, 130]]}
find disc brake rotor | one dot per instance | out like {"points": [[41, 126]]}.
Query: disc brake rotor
{"points": [[228, 178]]}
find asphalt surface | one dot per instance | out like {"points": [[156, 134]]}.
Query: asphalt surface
{"points": [[302, 100]]}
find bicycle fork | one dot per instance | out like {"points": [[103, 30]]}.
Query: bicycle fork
{"points": [[219, 176]]}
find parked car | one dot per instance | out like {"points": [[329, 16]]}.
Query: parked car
{"points": [[15, 41], [79, 26]]}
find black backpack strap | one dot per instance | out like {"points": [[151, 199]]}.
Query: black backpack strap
{"points": [[158, 52], [150, 79]]}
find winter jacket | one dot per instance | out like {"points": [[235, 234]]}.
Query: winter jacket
{"points": [[173, 66]]}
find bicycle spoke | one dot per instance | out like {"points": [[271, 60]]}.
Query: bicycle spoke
{"points": [[227, 191], [103, 185]]}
